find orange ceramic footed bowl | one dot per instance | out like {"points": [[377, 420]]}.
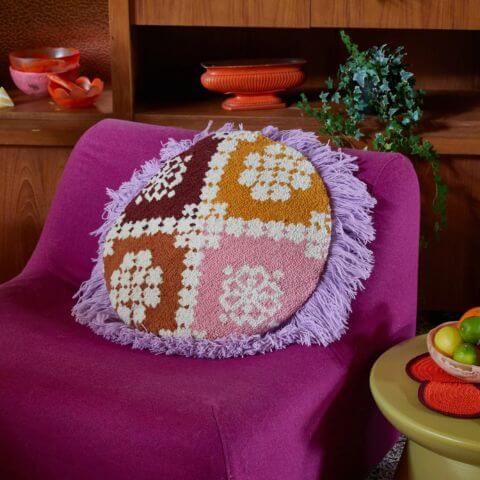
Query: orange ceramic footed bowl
{"points": [[254, 83]]}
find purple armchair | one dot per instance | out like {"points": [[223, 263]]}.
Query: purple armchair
{"points": [[75, 406]]}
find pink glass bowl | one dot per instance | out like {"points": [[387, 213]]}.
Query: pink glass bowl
{"points": [[467, 373], [45, 59], [36, 84]]}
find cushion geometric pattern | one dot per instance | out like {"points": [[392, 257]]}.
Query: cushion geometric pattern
{"points": [[229, 237]]}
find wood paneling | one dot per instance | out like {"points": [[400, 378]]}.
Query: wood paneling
{"points": [[69, 23], [28, 179], [224, 13], [41, 132], [121, 58], [415, 14], [449, 268]]}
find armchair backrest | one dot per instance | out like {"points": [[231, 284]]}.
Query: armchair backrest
{"points": [[108, 153], [104, 157]]}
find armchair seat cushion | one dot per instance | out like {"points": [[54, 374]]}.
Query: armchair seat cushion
{"points": [[73, 404]]}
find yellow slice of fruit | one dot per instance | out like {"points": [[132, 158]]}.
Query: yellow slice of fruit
{"points": [[5, 100]]}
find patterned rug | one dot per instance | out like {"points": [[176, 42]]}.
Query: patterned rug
{"points": [[385, 470]]}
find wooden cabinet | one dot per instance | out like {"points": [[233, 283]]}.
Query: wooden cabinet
{"points": [[414, 14], [409, 14], [36, 138], [441, 38], [223, 13], [449, 278], [157, 47], [28, 180]]}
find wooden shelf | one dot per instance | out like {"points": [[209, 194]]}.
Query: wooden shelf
{"points": [[41, 122], [451, 120], [197, 113]]}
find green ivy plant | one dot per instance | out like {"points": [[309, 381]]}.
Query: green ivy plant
{"points": [[376, 82]]}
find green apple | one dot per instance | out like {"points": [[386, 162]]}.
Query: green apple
{"points": [[470, 330], [466, 353]]}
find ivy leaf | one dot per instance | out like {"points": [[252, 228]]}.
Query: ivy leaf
{"points": [[359, 77], [323, 97], [384, 87], [329, 83], [335, 98]]}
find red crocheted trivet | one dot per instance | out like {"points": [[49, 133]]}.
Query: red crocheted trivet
{"points": [[423, 368], [442, 392]]}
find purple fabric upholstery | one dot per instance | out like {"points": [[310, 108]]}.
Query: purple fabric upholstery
{"points": [[73, 405]]}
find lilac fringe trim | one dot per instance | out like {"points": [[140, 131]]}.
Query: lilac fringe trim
{"points": [[324, 316]]}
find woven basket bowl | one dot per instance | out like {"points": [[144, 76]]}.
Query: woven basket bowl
{"points": [[468, 373]]}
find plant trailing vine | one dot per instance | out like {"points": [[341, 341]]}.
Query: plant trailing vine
{"points": [[376, 82]]}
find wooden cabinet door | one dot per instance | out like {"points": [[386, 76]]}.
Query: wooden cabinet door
{"points": [[422, 14], [223, 13], [449, 279], [28, 180]]}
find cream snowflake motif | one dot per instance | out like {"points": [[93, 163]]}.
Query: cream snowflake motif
{"points": [[164, 182], [250, 295], [134, 286], [273, 174]]}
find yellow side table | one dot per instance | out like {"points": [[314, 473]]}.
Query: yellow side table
{"points": [[438, 447]]}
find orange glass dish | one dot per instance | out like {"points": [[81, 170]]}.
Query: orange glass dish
{"points": [[78, 94], [254, 83], [45, 59]]}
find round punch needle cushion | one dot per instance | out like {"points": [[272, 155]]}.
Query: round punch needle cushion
{"points": [[232, 244]]}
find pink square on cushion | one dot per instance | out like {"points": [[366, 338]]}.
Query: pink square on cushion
{"points": [[256, 283]]}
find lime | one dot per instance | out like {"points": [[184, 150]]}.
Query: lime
{"points": [[470, 330], [447, 339], [466, 353]]}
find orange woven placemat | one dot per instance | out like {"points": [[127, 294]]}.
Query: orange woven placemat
{"points": [[442, 392]]}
